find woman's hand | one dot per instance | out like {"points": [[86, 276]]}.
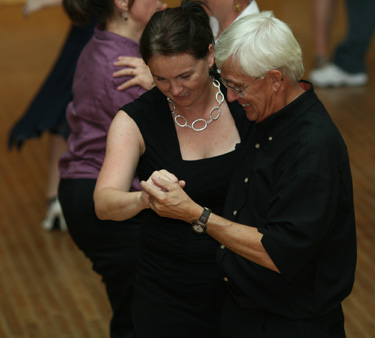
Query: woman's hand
{"points": [[165, 175], [134, 66], [145, 197], [168, 199]]}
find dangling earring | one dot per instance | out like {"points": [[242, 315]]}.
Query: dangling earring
{"points": [[237, 7], [125, 16]]}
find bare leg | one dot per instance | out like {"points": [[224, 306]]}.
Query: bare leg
{"points": [[323, 15], [58, 146]]}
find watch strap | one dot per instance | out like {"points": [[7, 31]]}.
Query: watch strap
{"points": [[203, 219]]}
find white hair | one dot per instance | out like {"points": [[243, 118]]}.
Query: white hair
{"points": [[259, 43]]}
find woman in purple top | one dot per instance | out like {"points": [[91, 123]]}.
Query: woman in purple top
{"points": [[111, 246]]}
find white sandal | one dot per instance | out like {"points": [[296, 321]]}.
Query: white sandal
{"points": [[54, 217]]}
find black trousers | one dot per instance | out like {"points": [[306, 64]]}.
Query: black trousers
{"points": [[240, 322], [111, 246]]}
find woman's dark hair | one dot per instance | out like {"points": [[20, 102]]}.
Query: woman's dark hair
{"points": [[178, 30], [84, 11]]}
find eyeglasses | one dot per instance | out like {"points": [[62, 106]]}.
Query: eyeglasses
{"points": [[239, 92]]}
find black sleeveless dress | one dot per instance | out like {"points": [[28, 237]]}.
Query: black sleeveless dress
{"points": [[178, 292]]}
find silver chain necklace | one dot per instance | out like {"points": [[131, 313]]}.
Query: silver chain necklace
{"points": [[219, 99]]}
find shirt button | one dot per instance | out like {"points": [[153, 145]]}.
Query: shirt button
{"points": [[235, 212], [226, 279], [270, 138], [246, 180], [222, 246], [257, 146]]}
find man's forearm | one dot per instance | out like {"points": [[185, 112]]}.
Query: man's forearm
{"points": [[244, 240]]}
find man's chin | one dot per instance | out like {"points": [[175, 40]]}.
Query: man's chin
{"points": [[250, 114]]}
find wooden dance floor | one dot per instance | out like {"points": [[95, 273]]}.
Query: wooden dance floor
{"points": [[47, 288]]}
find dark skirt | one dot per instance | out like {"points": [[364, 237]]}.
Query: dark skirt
{"points": [[47, 111], [176, 296]]}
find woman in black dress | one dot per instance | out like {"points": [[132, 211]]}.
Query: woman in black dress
{"points": [[186, 126]]}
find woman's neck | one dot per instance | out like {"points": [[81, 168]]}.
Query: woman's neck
{"points": [[128, 29], [224, 23], [226, 20]]}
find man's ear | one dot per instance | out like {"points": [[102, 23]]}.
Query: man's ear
{"points": [[277, 78]]}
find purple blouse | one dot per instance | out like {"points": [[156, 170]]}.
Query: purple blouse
{"points": [[96, 100]]}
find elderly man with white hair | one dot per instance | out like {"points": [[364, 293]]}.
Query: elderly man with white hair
{"points": [[288, 252]]}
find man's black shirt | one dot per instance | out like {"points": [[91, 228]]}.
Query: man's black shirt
{"points": [[294, 185]]}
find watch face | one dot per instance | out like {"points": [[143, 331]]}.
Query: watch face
{"points": [[197, 228]]}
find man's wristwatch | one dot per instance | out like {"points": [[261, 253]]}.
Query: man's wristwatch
{"points": [[200, 226]]}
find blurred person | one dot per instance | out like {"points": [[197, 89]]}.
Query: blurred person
{"points": [[348, 67], [47, 110]]}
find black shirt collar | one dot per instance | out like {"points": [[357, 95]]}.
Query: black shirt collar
{"points": [[274, 125]]}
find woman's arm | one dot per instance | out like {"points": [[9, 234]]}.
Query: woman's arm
{"points": [[112, 198]]}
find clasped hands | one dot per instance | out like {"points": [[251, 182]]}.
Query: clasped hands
{"points": [[167, 197]]}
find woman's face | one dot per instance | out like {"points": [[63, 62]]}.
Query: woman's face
{"points": [[181, 77]]}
